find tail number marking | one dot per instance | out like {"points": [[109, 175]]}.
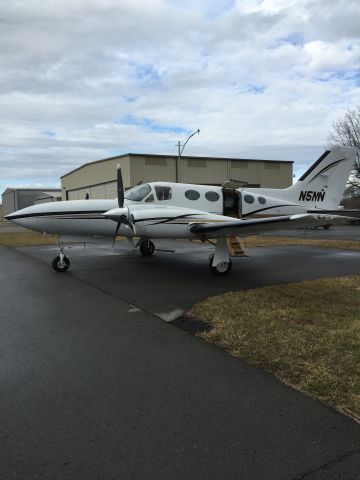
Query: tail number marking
{"points": [[311, 196]]}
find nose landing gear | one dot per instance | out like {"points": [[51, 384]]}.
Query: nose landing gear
{"points": [[61, 262]]}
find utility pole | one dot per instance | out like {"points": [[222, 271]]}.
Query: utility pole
{"points": [[180, 151]]}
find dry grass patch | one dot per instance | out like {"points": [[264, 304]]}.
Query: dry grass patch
{"points": [[260, 241], [21, 239], [307, 334]]}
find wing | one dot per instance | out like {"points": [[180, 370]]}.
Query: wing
{"points": [[243, 228]]}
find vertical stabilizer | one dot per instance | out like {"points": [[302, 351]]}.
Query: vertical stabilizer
{"points": [[323, 184]]}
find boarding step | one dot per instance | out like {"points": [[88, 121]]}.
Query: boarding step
{"points": [[235, 246]]}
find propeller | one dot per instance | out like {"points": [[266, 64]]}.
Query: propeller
{"points": [[120, 188], [120, 215], [120, 197]]}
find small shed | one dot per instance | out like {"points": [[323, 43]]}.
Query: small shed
{"points": [[14, 199], [48, 196]]}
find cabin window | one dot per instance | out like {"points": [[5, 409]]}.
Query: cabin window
{"points": [[249, 199], [212, 196], [163, 193], [149, 199], [138, 193], [192, 195], [262, 200]]}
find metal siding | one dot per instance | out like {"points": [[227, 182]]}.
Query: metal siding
{"points": [[215, 172], [73, 195], [97, 191], [8, 201], [246, 173], [141, 172], [280, 177], [99, 177], [110, 190], [97, 173]]}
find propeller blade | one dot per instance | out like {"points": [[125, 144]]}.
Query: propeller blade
{"points": [[120, 188], [116, 232]]}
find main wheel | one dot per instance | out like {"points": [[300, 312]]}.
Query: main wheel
{"points": [[220, 269], [326, 227], [147, 247], [60, 266]]}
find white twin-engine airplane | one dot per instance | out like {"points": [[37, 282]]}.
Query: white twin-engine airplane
{"points": [[174, 210]]}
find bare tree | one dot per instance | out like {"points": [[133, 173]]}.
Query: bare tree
{"points": [[347, 132]]}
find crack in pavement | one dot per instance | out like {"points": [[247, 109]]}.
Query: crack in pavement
{"points": [[337, 459]]}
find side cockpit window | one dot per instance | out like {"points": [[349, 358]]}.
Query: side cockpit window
{"points": [[149, 199], [138, 193], [163, 192]]}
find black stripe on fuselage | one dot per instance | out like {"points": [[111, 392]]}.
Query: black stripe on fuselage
{"points": [[269, 208], [55, 214], [165, 219]]}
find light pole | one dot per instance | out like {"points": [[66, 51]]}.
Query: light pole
{"points": [[180, 151]]}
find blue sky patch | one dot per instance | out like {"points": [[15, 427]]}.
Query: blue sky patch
{"points": [[48, 133], [295, 39], [147, 75], [149, 124]]}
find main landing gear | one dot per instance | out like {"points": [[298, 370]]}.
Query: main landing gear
{"points": [[61, 262], [222, 268], [147, 247], [219, 262]]}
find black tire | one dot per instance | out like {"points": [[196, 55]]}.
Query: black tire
{"points": [[59, 266], [222, 269], [326, 227], [147, 247]]}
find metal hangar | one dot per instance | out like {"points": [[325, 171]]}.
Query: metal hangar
{"points": [[98, 179]]}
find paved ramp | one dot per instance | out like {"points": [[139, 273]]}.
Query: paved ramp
{"points": [[94, 388]]}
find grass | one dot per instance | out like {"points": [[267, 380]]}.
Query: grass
{"points": [[27, 238], [260, 241], [20, 239], [307, 334]]}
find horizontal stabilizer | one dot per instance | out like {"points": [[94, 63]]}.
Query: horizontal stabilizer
{"points": [[343, 213]]}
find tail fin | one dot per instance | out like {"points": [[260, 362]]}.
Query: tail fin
{"points": [[323, 184]]}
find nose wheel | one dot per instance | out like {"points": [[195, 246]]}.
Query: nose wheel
{"points": [[61, 262], [147, 247]]}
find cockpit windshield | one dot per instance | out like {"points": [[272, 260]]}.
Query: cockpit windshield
{"points": [[138, 193]]}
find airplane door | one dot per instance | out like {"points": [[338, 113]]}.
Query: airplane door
{"points": [[231, 203]]}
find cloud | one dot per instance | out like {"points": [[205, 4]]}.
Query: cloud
{"points": [[89, 79]]}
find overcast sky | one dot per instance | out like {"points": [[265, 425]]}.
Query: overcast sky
{"points": [[82, 80]]}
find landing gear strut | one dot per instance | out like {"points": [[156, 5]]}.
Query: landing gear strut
{"points": [[147, 247], [61, 263]]}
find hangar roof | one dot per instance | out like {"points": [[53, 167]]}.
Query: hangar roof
{"points": [[173, 156]]}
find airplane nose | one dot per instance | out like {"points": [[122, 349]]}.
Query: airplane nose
{"points": [[116, 214]]}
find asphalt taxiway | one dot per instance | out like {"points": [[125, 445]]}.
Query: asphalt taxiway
{"points": [[95, 385]]}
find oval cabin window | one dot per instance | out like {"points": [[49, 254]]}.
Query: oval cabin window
{"points": [[262, 200], [212, 196], [249, 199], [192, 195]]}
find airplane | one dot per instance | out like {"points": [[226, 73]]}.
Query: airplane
{"points": [[174, 211]]}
